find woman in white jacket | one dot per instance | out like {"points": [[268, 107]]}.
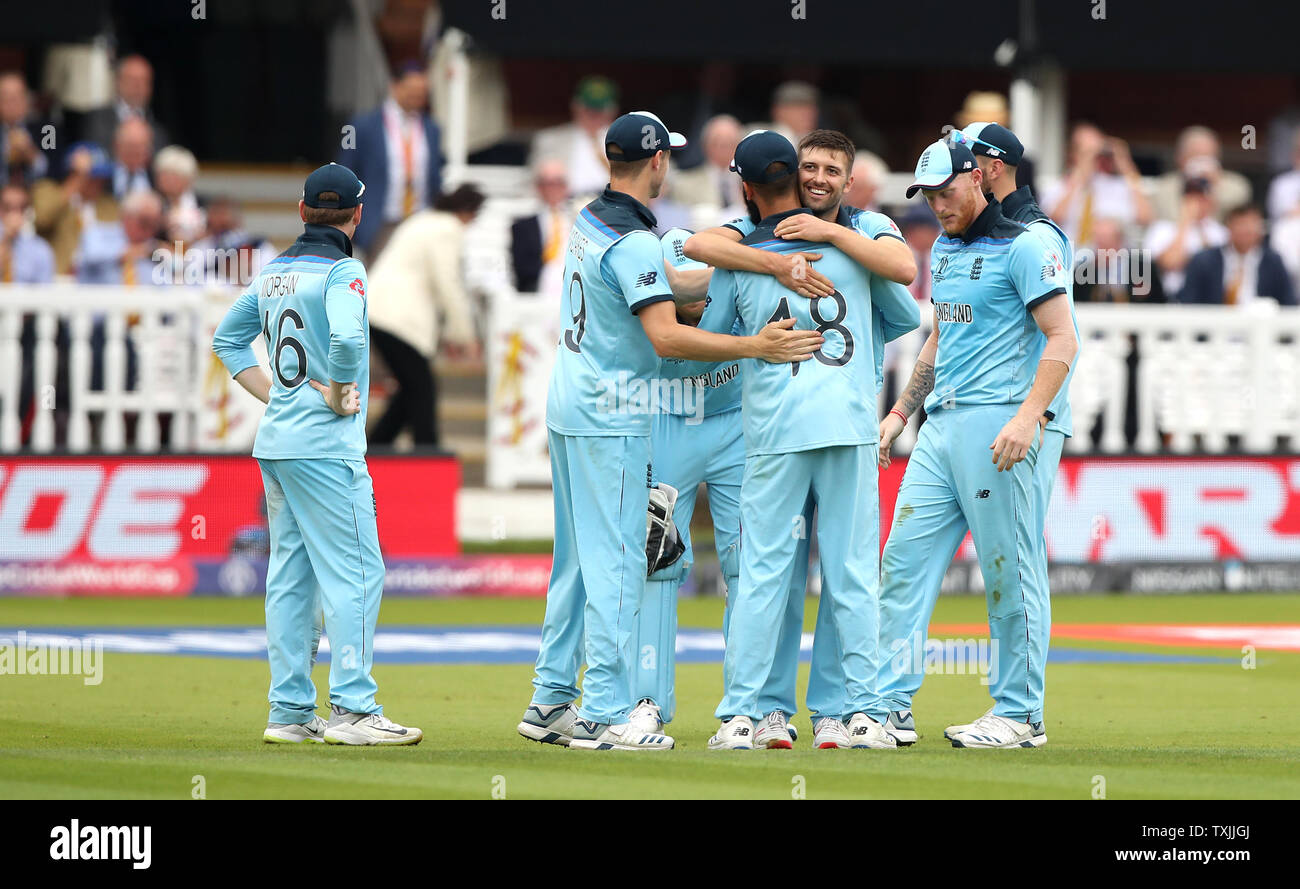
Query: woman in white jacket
{"points": [[417, 300]]}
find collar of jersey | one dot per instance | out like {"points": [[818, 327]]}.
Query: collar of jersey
{"points": [[983, 223], [326, 234], [845, 215], [626, 200], [1021, 197], [771, 221]]}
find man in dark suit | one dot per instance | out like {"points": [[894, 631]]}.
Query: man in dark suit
{"points": [[539, 239], [1241, 270], [134, 93], [396, 151]]}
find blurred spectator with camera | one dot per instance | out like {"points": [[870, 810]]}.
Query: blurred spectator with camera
{"points": [[63, 210], [1173, 244], [1240, 271], [537, 241], [1198, 154], [397, 153], [417, 303], [122, 252], [25, 257], [175, 169], [20, 134], [132, 151], [134, 93], [580, 143], [1101, 180], [1284, 190]]}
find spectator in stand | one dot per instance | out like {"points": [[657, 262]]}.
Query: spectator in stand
{"points": [[1284, 190], [25, 257], [231, 255], [796, 110], [1240, 271], [1101, 181], [920, 229], [993, 108], [712, 183], [398, 155], [132, 150], [417, 301], [868, 174], [20, 135], [122, 252], [580, 143], [538, 241], [175, 169], [1194, 143], [1173, 244], [64, 210], [1114, 275], [134, 93]]}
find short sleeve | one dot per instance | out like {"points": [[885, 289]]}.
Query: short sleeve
{"points": [[720, 314], [1038, 270], [635, 267], [742, 225], [876, 225]]}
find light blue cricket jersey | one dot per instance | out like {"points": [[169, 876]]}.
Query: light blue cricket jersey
{"points": [[310, 304], [984, 285], [604, 362], [826, 401], [1021, 207]]}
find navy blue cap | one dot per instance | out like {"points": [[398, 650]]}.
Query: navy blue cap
{"points": [[939, 164], [338, 179], [758, 151], [992, 140], [638, 135]]}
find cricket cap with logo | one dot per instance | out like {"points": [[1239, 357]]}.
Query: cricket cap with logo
{"points": [[334, 178], [993, 140], [758, 151], [638, 135], [939, 164]]}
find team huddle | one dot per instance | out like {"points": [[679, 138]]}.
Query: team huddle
{"points": [[768, 333]]}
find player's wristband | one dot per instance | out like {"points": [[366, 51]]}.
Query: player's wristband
{"points": [[900, 415]]}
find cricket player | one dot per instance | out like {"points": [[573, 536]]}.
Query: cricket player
{"points": [[874, 242], [810, 430], [619, 319], [1002, 347], [310, 305]]}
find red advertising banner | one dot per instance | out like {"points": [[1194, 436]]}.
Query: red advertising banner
{"points": [[176, 525]]}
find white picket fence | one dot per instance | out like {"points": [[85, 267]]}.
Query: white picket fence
{"points": [[1205, 374]]}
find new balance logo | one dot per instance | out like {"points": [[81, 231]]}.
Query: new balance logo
{"points": [[645, 279], [1049, 269], [976, 268], [742, 732], [982, 495]]}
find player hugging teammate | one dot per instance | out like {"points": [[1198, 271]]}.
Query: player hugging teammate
{"points": [[778, 437]]}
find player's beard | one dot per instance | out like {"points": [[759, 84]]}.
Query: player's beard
{"points": [[754, 216]]}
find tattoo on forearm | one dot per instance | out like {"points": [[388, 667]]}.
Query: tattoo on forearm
{"points": [[919, 386]]}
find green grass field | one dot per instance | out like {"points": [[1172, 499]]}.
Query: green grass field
{"points": [[156, 722]]}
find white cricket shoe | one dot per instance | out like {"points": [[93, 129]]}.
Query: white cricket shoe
{"points": [[867, 733], [829, 733], [774, 732], [965, 726], [294, 733], [901, 727], [737, 733], [368, 730], [603, 736], [549, 725], [645, 718], [1000, 732]]}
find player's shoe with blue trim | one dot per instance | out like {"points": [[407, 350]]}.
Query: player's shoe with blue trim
{"points": [[901, 727], [965, 726], [999, 732], [368, 730], [295, 733], [645, 718], [603, 736], [549, 725], [829, 733], [774, 732], [737, 733], [867, 733]]}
